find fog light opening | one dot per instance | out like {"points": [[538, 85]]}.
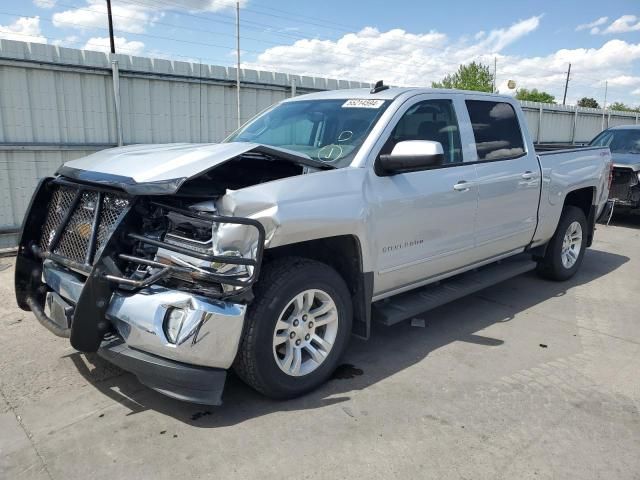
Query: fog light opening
{"points": [[173, 321]]}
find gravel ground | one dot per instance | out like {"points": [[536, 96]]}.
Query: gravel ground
{"points": [[527, 379]]}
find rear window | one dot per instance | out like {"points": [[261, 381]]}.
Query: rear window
{"points": [[496, 130]]}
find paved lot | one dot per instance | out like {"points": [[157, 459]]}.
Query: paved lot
{"points": [[528, 379]]}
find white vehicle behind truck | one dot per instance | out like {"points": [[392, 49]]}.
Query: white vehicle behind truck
{"points": [[326, 212]]}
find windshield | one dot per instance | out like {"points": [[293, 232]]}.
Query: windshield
{"points": [[331, 131], [619, 141]]}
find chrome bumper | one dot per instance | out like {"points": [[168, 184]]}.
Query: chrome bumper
{"points": [[211, 330]]}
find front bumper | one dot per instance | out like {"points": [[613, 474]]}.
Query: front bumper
{"points": [[185, 382], [192, 369]]}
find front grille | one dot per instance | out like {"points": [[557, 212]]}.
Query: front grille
{"points": [[78, 206], [621, 183]]}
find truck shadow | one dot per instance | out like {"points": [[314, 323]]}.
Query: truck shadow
{"points": [[389, 351], [631, 220]]}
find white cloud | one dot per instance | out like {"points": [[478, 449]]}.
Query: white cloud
{"points": [[207, 5], [403, 58], [44, 3], [592, 25], [126, 17], [101, 44], [624, 81], [130, 17], [626, 23], [24, 29]]}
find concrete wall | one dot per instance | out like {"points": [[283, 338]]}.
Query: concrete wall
{"points": [[57, 104]]}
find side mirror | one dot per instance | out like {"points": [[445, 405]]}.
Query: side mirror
{"points": [[411, 156]]}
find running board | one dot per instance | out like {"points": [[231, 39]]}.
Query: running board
{"points": [[414, 302]]}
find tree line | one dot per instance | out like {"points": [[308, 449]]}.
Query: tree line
{"points": [[478, 77]]}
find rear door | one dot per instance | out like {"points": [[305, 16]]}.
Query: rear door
{"points": [[423, 222], [508, 178]]}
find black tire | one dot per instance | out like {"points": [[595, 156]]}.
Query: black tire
{"points": [[551, 266], [280, 281]]}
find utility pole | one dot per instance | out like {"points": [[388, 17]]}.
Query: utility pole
{"points": [[604, 105], [111, 40], [238, 57], [566, 85], [495, 67]]}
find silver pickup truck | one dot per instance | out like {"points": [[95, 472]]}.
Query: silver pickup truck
{"points": [[266, 252]]}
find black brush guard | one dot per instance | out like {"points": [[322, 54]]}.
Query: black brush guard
{"points": [[103, 255]]}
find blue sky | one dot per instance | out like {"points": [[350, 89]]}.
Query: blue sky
{"points": [[406, 42]]}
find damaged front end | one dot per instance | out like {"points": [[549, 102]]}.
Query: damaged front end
{"points": [[625, 187], [157, 284]]}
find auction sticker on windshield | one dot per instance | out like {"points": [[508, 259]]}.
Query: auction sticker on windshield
{"points": [[362, 103]]}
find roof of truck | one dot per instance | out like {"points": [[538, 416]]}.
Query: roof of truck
{"points": [[388, 94], [625, 127]]}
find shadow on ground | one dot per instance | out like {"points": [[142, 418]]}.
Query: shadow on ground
{"points": [[626, 219], [390, 350]]}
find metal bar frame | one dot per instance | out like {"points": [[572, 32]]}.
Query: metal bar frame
{"points": [[94, 230]]}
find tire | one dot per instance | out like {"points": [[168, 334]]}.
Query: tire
{"points": [[260, 362], [554, 265]]}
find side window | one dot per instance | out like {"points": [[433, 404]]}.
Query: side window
{"points": [[496, 130], [430, 120]]}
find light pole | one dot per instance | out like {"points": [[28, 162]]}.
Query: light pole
{"points": [[238, 58]]}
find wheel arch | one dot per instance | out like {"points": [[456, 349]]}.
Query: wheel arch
{"points": [[585, 200], [344, 254]]}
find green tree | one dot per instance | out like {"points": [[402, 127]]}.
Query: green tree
{"points": [[588, 102], [622, 107], [619, 106], [474, 76], [534, 95]]}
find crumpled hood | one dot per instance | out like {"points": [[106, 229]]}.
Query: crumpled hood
{"points": [[163, 168], [631, 160]]}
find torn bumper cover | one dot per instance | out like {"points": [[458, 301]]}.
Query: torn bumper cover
{"points": [[74, 276]]}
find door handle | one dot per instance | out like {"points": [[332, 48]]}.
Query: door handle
{"points": [[528, 175], [461, 186]]}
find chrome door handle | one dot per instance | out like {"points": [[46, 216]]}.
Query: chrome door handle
{"points": [[461, 186], [528, 175]]}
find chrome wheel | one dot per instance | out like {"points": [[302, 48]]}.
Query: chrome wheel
{"points": [[305, 332], [571, 245]]}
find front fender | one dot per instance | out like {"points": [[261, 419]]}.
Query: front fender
{"points": [[307, 207]]}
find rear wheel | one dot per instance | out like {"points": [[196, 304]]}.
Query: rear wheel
{"points": [[566, 248], [297, 328]]}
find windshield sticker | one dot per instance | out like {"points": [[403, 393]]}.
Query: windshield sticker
{"points": [[362, 103]]}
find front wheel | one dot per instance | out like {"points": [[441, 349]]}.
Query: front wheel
{"points": [[566, 248], [297, 328]]}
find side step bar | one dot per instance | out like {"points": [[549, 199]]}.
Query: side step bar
{"points": [[414, 302]]}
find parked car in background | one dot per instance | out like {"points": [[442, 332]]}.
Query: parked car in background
{"points": [[267, 251], [624, 143]]}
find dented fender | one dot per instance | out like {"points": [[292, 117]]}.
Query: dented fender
{"points": [[307, 207]]}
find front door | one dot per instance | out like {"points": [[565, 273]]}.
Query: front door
{"points": [[423, 222]]}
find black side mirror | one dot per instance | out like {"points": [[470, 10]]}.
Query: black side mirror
{"points": [[410, 156]]}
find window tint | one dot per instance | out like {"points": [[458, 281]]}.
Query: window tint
{"points": [[619, 141], [430, 120], [496, 130]]}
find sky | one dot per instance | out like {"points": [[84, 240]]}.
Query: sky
{"points": [[404, 42]]}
